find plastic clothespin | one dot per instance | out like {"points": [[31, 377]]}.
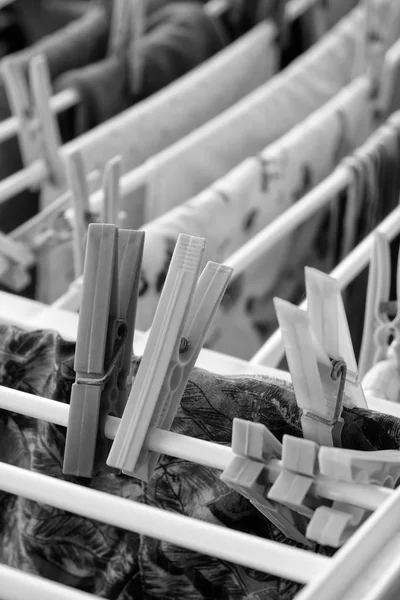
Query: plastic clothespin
{"points": [[104, 343], [329, 324], [333, 525], [127, 29], [38, 132], [318, 385], [81, 201], [321, 358], [382, 317], [247, 473], [111, 187], [183, 316], [299, 468]]}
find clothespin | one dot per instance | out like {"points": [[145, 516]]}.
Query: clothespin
{"points": [[333, 525], [329, 323], [81, 201], [183, 316], [303, 462], [127, 30], [318, 344], [38, 132], [247, 473], [104, 343], [382, 317]]}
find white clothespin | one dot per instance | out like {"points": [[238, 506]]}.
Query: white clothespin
{"points": [[180, 324], [378, 324], [253, 446], [317, 344], [111, 188], [81, 201], [127, 29], [329, 323], [38, 132]]}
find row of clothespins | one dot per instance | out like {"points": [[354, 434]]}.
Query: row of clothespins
{"points": [[311, 489], [321, 361]]}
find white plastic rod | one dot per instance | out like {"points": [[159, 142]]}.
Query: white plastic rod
{"points": [[20, 181], [58, 103], [191, 449], [271, 353], [196, 535], [283, 225], [17, 585]]}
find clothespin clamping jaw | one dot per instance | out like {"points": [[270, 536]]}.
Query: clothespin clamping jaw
{"points": [[321, 358], [184, 314], [254, 447], [38, 132], [382, 317], [104, 343]]}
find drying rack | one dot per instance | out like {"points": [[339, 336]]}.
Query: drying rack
{"points": [[365, 568], [373, 549]]}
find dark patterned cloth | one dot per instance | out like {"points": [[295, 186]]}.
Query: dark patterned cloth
{"points": [[120, 565]]}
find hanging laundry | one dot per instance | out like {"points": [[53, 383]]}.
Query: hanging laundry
{"points": [[12, 36], [81, 42], [119, 565], [179, 37], [42, 18], [373, 194], [195, 162], [244, 202]]}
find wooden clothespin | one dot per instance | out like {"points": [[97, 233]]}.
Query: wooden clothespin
{"points": [[127, 29], [382, 317], [321, 358], [81, 202], [183, 316], [38, 132], [104, 343]]}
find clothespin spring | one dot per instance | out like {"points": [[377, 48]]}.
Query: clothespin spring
{"points": [[121, 334], [339, 369]]}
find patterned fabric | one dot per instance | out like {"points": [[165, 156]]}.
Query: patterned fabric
{"points": [[119, 565], [248, 199]]}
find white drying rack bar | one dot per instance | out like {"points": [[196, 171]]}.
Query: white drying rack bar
{"points": [[213, 540], [272, 351], [187, 448], [17, 585]]}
